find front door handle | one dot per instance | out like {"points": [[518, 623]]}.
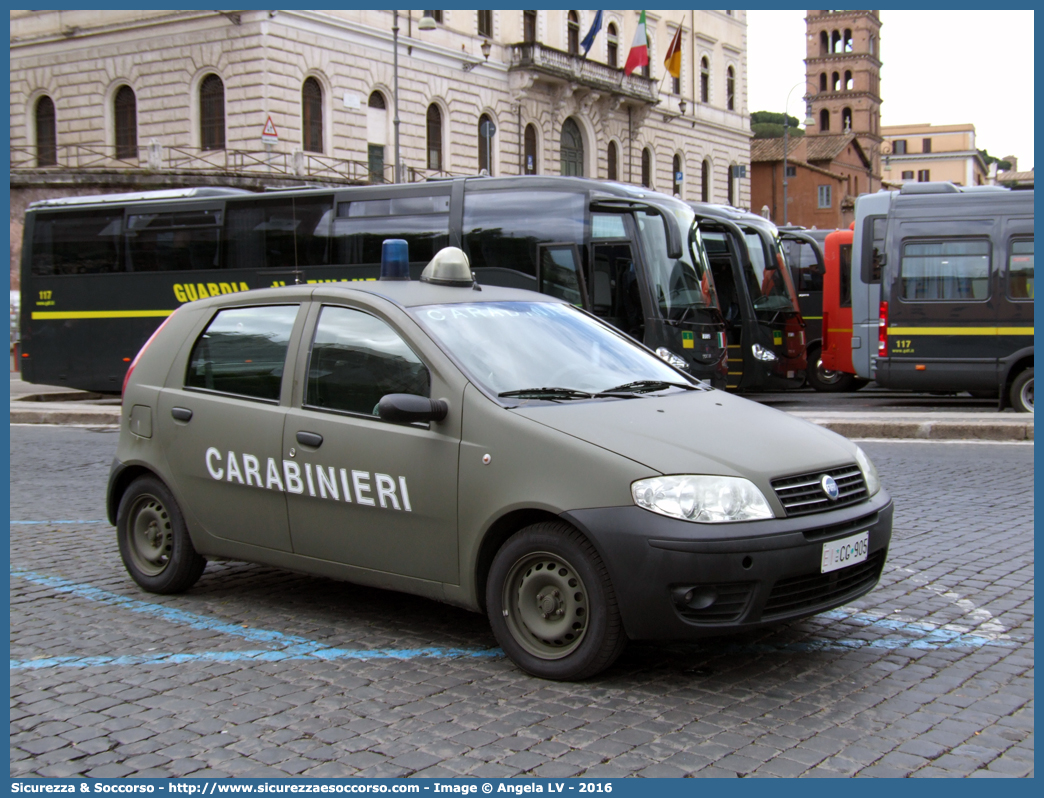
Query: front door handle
{"points": [[181, 413], [313, 439]]}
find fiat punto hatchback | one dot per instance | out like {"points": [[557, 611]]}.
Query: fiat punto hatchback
{"points": [[497, 449]]}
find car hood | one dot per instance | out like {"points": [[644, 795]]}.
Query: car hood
{"points": [[699, 432]]}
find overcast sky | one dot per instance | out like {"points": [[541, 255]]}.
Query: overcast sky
{"points": [[942, 67]]}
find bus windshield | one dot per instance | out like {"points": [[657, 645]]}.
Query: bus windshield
{"points": [[770, 285], [682, 284]]}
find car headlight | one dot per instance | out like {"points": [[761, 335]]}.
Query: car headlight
{"points": [[703, 499], [671, 358], [873, 482], [761, 353]]}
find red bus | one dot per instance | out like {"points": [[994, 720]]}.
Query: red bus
{"points": [[834, 371]]}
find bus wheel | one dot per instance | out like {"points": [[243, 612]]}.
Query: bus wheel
{"points": [[153, 541], [551, 605], [1022, 392], [828, 381]]}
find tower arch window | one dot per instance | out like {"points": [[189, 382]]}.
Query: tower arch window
{"points": [[125, 117], [530, 146], [529, 26], [705, 181], [572, 157], [846, 120], [822, 81], [704, 80], [848, 80], [835, 42], [612, 46], [646, 167], [612, 159], [434, 125], [730, 89], [677, 177], [835, 82], [485, 146], [824, 43], [212, 113], [574, 33], [824, 121], [312, 116], [846, 44], [46, 137]]}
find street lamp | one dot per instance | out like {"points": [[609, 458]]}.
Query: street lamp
{"points": [[395, 90], [786, 128]]}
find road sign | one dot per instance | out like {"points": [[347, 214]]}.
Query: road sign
{"points": [[487, 129], [269, 134]]}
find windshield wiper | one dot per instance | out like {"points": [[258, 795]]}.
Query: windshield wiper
{"points": [[645, 386], [547, 393]]}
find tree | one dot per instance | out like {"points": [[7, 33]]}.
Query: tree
{"points": [[769, 125], [1002, 166]]}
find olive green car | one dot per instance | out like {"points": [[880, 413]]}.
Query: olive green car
{"points": [[496, 449]]}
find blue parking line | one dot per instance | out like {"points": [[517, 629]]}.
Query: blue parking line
{"points": [[914, 635]]}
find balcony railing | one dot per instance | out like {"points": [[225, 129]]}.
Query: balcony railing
{"points": [[575, 69]]}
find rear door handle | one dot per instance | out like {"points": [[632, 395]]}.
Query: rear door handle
{"points": [[313, 439], [181, 413]]}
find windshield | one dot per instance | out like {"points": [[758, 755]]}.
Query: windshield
{"points": [[677, 285], [517, 346], [770, 285]]}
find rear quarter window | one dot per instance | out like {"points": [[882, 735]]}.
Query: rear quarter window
{"points": [[243, 352]]}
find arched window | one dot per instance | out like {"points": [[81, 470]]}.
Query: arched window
{"points": [[824, 121], [485, 145], [732, 182], [574, 33], [835, 42], [677, 177], [846, 43], [613, 43], [822, 81], [376, 135], [572, 149], [824, 43], [730, 89], [529, 25], [434, 138], [125, 117], [646, 167], [848, 80], [846, 120], [705, 182], [835, 82], [485, 24], [704, 80], [312, 116], [612, 158], [46, 138], [212, 113], [530, 150]]}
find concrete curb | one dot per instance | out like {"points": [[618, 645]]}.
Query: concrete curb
{"points": [[68, 413], [930, 430]]}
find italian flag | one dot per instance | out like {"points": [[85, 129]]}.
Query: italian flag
{"points": [[639, 55]]}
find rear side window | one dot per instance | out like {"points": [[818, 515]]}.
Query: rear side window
{"points": [[243, 352], [356, 359], [180, 241], [77, 243], [1020, 270], [945, 270], [283, 233]]}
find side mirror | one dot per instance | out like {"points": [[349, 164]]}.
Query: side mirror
{"points": [[407, 408]]}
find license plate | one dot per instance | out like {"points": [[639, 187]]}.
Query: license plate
{"points": [[842, 553]]}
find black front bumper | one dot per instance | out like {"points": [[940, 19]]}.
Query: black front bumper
{"points": [[742, 576]]}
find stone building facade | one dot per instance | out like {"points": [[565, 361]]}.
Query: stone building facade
{"points": [[116, 100], [922, 153]]}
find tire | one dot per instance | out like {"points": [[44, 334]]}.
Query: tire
{"points": [[558, 623], [154, 542], [828, 381], [1022, 391]]}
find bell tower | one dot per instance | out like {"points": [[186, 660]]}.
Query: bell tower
{"points": [[843, 78]]}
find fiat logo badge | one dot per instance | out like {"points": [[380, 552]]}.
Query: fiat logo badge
{"points": [[829, 487]]}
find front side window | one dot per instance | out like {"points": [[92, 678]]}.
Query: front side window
{"points": [[1020, 270], [945, 270], [285, 233], [825, 196], [563, 348], [356, 359], [677, 285], [768, 279], [243, 352]]}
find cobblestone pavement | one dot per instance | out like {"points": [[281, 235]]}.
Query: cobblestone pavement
{"points": [[260, 672]]}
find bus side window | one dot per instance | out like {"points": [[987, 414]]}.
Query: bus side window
{"points": [[173, 242], [278, 233], [873, 262], [362, 226], [948, 270], [1020, 269], [78, 243], [845, 269]]}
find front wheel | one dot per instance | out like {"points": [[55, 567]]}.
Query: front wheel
{"points": [[551, 604], [826, 380], [1022, 392], [154, 542]]}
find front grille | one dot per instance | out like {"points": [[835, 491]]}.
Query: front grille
{"points": [[731, 602], [803, 494], [814, 590], [840, 530]]}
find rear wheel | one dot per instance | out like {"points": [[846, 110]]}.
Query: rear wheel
{"points": [[154, 542], [1022, 392], [827, 380], [551, 604]]}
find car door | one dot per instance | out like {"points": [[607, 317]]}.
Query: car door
{"points": [[369, 493], [222, 428]]}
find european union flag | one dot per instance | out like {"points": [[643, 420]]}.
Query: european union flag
{"points": [[591, 34]]}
